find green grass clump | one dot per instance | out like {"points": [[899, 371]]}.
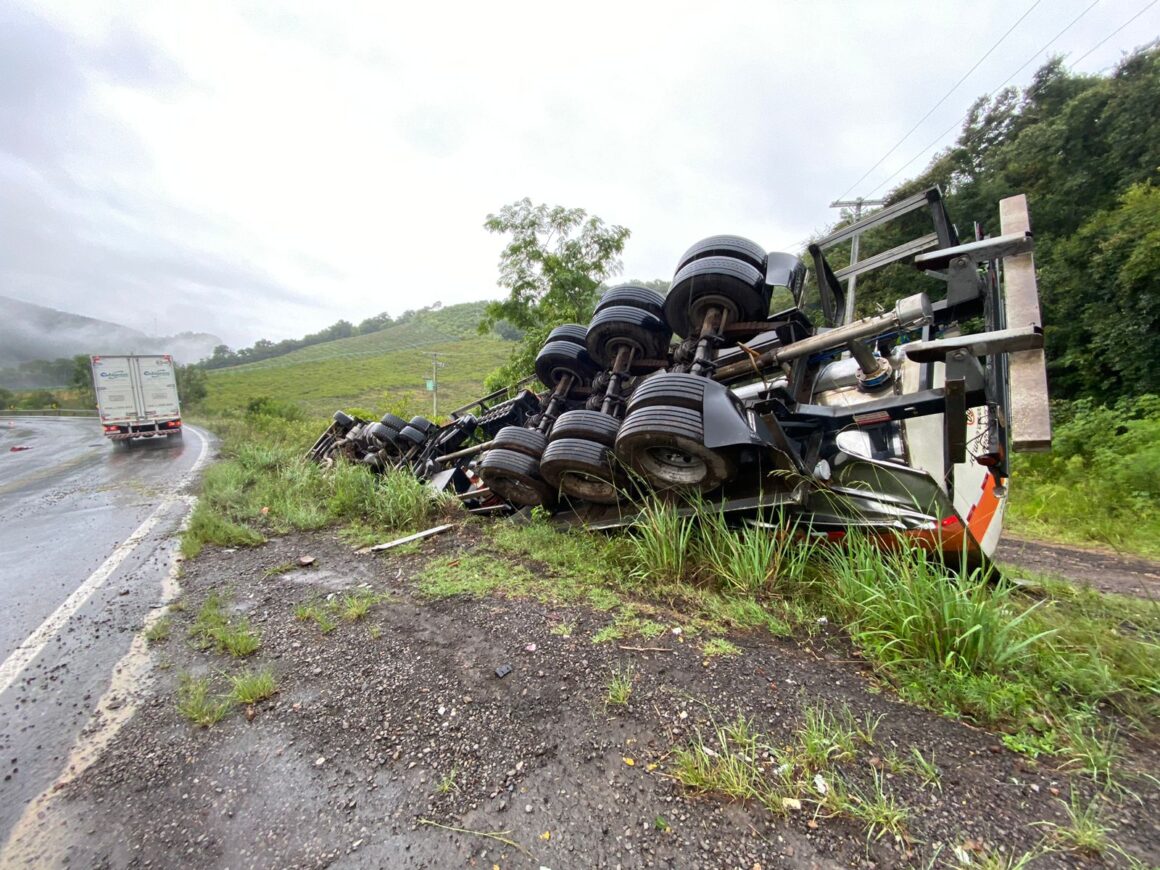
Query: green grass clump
{"points": [[719, 646], [214, 628], [619, 688], [159, 631], [905, 607], [195, 703], [253, 686], [661, 543]]}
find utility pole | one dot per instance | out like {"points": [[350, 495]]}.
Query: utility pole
{"points": [[857, 205], [433, 384]]}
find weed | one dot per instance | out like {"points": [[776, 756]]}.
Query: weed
{"points": [[375, 631], [357, 604], [661, 544], [158, 631], [284, 568], [304, 610], [448, 784], [926, 769], [660, 823], [825, 737], [751, 560], [196, 705], [730, 767], [238, 639], [176, 606], [253, 686], [718, 646], [906, 608], [620, 686], [1096, 755], [880, 812], [1086, 831], [564, 629]]}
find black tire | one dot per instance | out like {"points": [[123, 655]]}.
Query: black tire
{"points": [[666, 446], [558, 358], [737, 247], [634, 296], [411, 436], [345, 421], [587, 426], [669, 388], [517, 439], [619, 326], [381, 436], [582, 469], [514, 477], [731, 284], [392, 422], [572, 332], [422, 424]]}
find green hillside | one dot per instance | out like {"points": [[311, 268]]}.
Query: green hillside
{"points": [[384, 370]]}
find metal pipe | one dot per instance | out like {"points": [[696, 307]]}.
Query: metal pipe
{"points": [[466, 451], [865, 358], [710, 337], [619, 371], [913, 311]]}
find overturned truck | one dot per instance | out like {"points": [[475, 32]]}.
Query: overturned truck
{"points": [[767, 398]]}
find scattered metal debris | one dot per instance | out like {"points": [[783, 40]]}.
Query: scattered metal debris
{"points": [[437, 530]]}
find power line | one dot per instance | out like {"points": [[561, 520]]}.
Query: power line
{"points": [[1002, 84], [943, 99], [1074, 64]]}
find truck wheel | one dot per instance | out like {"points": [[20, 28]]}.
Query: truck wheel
{"points": [[514, 477], [529, 442], [382, 436], [669, 388], [582, 469], [558, 358], [392, 422], [634, 296], [572, 332], [586, 425], [343, 420], [724, 282], [422, 424], [726, 246], [665, 445], [412, 436], [621, 326]]}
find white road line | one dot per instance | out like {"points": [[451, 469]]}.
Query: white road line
{"points": [[24, 654]]}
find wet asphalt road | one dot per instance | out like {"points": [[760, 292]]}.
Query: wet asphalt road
{"points": [[85, 542]]}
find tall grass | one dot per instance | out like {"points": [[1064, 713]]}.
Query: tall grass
{"points": [[661, 545], [1101, 481], [906, 608], [264, 485]]}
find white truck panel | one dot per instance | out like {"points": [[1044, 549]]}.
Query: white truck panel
{"points": [[135, 391]]}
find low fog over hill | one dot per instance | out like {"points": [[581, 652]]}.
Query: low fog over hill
{"points": [[31, 332]]}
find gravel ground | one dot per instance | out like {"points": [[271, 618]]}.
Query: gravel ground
{"points": [[387, 728]]}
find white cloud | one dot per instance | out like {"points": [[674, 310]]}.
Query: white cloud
{"points": [[261, 171]]}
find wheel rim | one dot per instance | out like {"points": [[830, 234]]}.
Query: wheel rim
{"points": [[590, 487], [672, 465]]}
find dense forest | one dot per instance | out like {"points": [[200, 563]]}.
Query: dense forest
{"points": [[1086, 151]]}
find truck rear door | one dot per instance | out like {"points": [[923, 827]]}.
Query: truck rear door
{"points": [[158, 387], [113, 382]]}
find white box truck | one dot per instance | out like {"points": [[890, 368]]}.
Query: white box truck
{"points": [[137, 396]]}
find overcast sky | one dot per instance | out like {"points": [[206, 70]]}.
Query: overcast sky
{"points": [[260, 170]]}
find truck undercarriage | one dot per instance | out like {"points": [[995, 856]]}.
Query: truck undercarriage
{"points": [[900, 422]]}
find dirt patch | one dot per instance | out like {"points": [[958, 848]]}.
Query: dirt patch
{"points": [[1107, 572], [389, 727]]}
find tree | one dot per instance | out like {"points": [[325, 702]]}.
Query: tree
{"points": [[7, 397], [552, 267], [82, 379], [192, 384]]}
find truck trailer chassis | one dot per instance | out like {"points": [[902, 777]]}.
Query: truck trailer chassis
{"points": [[897, 423]]}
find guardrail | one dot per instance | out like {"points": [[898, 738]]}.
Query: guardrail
{"points": [[49, 412]]}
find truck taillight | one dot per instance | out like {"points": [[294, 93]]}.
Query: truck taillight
{"points": [[111, 429], [173, 424]]}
